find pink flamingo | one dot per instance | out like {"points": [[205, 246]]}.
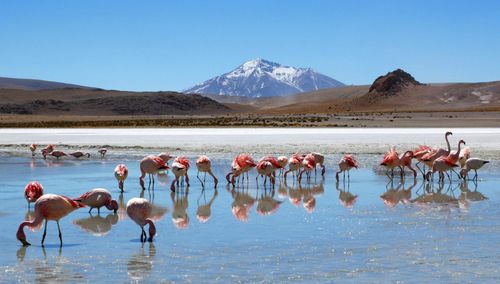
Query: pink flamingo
{"points": [[121, 174], [47, 150], [464, 156], [391, 161], [454, 156], [139, 210], [33, 149], [265, 169], [405, 161], [204, 165], [441, 165], [151, 165], [308, 164], [165, 157], [430, 157], [51, 207], [319, 159], [79, 154], [97, 198], [345, 165], [33, 191], [58, 154], [295, 164], [180, 168], [241, 164], [102, 151], [283, 161], [418, 154]]}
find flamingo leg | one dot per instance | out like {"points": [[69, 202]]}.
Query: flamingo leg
{"points": [[60, 234], [44, 232]]}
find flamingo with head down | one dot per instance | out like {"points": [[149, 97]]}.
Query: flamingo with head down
{"points": [[47, 150], [139, 210], [391, 161], [308, 164], [345, 165], [204, 165], [241, 164], [151, 165], [121, 174], [180, 168], [49, 207], [79, 154], [265, 169], [58, 154], [97, 198], [33, 149], [294, 164]]}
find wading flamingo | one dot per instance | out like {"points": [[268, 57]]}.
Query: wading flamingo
{"points": [[472, 164], [283, 161], [102, 151], [79, 154], [204, 165], [139, 210], [241, 164], [308, 164], [441, 165], [165, 157], [391, 161], [47, 150], [294, 165], [418, 154], [97, 198], [345, 165], [49, 207], [121, 174], [33, 149], [180, 168], [265, 169], [430, 157], [33, 191], [405, 162], [319, 159], [464, 156], [454, 156], [58, 154], [151, 165]]}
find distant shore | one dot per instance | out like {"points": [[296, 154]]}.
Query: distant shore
{"points": [[379, 119]]}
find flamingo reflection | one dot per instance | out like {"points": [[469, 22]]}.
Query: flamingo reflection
{"points": [[97, 225], [204, 210]]}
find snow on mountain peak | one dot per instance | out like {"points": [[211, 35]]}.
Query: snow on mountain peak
{"points": [[260, 77]]}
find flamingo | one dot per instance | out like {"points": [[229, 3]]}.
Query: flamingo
{"points": [[204, 165], [79, 154], [295, 164], [121, 173], [405, 161], [139, 210], [151, 165], [418, 154], [308, 164], [49, 207], [319, 159], [180, 168], [283, 161], [102, 151], [97, 198], [441, 165], [265, 169], [47, 150], [33, 191], [391, 161], [464, 156], [430, 157], [165, 157], [345, 165], [454, 156], [33, 149], [58, 154], [241, 164], [472, 164]]}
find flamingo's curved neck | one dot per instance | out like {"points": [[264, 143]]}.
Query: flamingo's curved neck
{"points": [[458, 151], [447, 143]]}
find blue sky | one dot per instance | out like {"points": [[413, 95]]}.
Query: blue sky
{"points": [[172, 45]]}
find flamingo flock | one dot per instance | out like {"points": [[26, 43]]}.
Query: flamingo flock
{"points": [[52, 207]]}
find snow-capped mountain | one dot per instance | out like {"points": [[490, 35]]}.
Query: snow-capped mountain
{"points": [[262, 78]]}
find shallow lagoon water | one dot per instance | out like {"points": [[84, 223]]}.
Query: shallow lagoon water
{"points": [[372, 241]]}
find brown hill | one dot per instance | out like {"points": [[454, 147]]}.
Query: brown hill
{"points": [[105, 102], [32, 84]]}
